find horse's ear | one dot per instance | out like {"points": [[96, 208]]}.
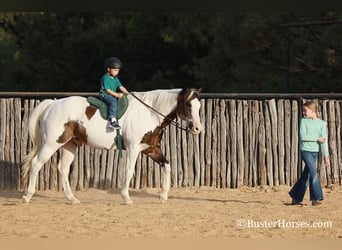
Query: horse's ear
{"points": [[197, 92]]}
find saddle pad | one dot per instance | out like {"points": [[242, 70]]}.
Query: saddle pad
{"points": [[102, 106]]}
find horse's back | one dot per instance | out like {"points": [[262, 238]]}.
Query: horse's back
{"points": [[71, 100], [68, 108]]}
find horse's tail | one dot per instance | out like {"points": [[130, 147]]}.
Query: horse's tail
{"points": [[35, 136]]}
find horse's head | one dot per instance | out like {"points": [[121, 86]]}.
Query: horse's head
{"points": [[188, 107]]}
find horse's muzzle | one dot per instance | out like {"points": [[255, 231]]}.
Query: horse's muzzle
{"points": [[194, 129]]}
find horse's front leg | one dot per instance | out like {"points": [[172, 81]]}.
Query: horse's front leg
{"points": [[165, 182], [157, 155], [132, 155]]}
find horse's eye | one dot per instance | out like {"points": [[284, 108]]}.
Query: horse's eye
{"points": [[188, 104]]}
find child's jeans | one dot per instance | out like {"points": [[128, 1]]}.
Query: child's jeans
{"points": [[112, 103]]}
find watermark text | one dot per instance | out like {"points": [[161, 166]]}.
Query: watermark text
{"points": [[281, 223]]}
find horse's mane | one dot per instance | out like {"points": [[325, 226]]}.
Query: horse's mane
{"points": [[160, 99]]}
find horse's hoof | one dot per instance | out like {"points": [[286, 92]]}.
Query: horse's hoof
{"points": [[26, 199], [163, 198], [127, 202], [73, 202]]}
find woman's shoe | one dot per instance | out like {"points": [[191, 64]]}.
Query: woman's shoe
{"points": [[295, 202], [316, 203]]}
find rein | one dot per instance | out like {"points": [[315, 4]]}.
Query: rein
{"points": [[167, 119]]}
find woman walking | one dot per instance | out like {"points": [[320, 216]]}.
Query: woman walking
{"points": [[313, 137]]}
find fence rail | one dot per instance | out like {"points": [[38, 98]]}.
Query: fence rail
{"points": [[248, 140]]}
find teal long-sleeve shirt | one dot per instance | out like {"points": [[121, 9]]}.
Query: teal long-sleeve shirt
{"points": [[310, 130]]}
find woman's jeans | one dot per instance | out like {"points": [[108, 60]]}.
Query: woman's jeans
{"points": [[309, 175], [112, 103]]}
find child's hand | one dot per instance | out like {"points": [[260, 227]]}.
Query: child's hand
{"points": [[326, 160]]}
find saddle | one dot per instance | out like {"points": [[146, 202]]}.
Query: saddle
{"points": [[103, 108]]}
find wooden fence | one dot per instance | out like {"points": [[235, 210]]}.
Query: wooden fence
{"points": [[247, 140]]}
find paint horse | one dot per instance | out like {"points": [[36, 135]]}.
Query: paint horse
{"points": [[68, 122]]}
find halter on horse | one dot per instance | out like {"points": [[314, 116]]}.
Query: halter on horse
{"points": [[68, 122]]}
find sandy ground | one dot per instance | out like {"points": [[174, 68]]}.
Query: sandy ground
{"points": [[195, 213]]}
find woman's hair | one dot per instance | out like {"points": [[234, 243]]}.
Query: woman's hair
{"points": [[312, 105]]}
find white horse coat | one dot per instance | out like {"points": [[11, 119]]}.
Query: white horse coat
{"points": [[67, 122]]}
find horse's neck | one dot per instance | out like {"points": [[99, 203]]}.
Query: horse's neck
{"points": [[164, 101]]}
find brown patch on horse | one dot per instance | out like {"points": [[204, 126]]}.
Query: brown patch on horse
{"points": [[74, 132], [183, 102], [153, 140], [90, 111], [80, 133]]}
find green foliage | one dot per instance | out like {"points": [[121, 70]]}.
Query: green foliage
{"points": [[7, 49], [222, 52]]}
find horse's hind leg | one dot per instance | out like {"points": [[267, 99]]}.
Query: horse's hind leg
{"points": [[37, 162], [68, 155]]}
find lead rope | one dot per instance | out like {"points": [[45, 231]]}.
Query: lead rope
{"points": [[167, 119]]}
